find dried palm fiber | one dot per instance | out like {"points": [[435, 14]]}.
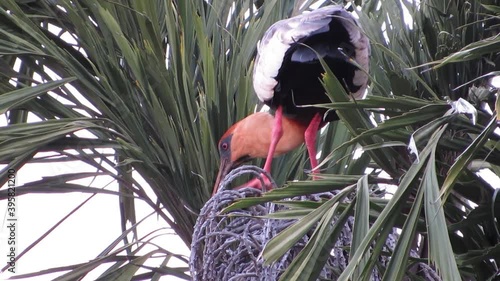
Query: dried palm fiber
{"points": [[228, 247]]}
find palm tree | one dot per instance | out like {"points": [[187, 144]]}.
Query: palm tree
{"points": [[155, 83]]}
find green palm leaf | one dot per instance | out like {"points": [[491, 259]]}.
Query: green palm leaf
{"points": [[147, 88]]}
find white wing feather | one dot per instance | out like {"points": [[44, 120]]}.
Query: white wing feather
{"points": [[278, 38]]}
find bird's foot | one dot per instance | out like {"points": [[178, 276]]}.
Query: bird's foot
{"points": [[313, 174], [256, 183]]}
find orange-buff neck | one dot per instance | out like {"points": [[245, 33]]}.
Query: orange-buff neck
{"points": [[252, 136]]}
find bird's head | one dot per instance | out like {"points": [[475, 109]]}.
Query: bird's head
{"points": [[250, 138], [232, 152]]}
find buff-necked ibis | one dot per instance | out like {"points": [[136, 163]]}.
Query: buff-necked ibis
{"points": [[286, 75]]}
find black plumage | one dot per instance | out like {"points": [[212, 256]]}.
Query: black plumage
{"points": [[331, 33]]}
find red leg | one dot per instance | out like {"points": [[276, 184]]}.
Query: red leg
{"points": [[276, 135], [310, 139]]}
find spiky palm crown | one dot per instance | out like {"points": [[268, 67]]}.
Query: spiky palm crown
{"points": [[163, 119]]}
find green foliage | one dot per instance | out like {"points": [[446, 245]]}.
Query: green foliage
{"points": [[446, 140], [162, 80]]}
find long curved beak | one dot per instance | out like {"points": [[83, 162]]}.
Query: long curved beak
{"points": [[224, 168]]}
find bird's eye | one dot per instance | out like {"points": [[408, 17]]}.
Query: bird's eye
{"points": [[224, 146]]}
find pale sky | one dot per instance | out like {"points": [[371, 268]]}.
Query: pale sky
{"points": [[83, 235]]}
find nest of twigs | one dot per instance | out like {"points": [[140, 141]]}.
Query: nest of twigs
{"points": [[228, 247]]}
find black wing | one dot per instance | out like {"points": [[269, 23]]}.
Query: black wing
{"points": [[287, 69]]}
